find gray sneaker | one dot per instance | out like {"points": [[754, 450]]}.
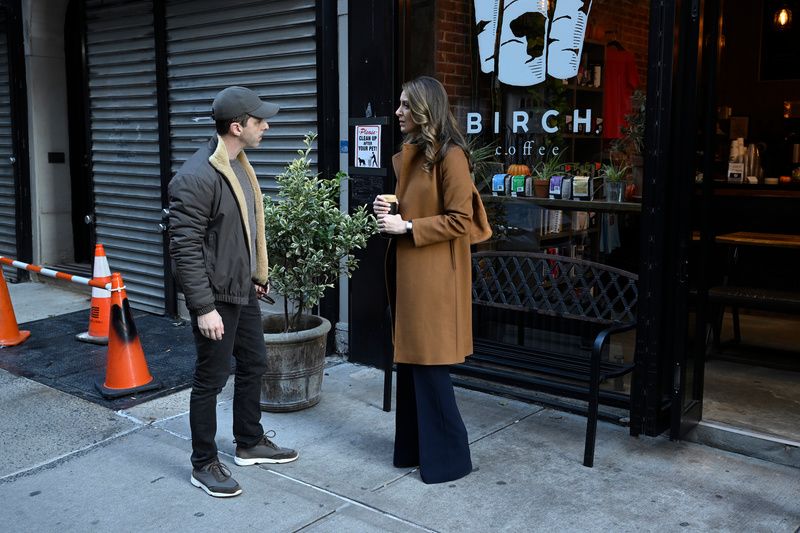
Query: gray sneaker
{"points": [[216, 480], [265, 451]]}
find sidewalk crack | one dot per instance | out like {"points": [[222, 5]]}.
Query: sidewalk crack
{"points": [[498, 430], [354, 502]]}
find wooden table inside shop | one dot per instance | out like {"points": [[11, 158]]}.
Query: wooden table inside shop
{"points": [[750, 238], [769, 300]]}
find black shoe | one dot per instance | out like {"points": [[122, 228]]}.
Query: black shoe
{"points": [[216, 480], [265, 451]]}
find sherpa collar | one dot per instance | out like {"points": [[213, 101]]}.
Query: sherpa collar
{"points": [[221, 162]]}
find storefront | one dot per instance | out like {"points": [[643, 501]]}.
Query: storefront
{"points": [[569, 89], [660, 90]]}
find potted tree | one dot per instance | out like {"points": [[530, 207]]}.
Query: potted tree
{"points": [[310, 244]]}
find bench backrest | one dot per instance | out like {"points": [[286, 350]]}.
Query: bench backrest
{"points": [[553, 285]]}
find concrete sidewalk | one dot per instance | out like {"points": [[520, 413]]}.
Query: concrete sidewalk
{"points": [[74, 466]]}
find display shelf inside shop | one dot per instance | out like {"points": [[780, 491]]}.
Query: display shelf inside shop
{"points": [[599, 206], [547, 237]]}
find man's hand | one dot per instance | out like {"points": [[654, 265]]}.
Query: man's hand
{"points": [[261, 290], [210, 325], [262, 293]]}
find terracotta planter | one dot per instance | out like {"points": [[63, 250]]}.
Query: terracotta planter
{"points": [[541, 188], [295, 364]]}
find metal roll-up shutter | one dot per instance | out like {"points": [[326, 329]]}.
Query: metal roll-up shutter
{"points": [[8, 209], [267, 46], [124, 144]]}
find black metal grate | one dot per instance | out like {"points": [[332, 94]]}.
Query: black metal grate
{"points": [[554, 285]]}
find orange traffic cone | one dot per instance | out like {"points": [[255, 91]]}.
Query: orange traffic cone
{"points": [[10, 335], [101, 301], [126, 368]]}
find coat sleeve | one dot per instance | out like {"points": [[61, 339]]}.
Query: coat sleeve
{"points": [[456, 192], [190, 202]]}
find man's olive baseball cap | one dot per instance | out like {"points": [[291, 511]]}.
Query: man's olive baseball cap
{"points": [[236, 101]]}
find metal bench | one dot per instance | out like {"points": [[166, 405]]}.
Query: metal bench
{"points": [[565, 288]]}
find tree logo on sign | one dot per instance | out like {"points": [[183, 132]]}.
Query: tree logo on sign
{"points": [[504, 30]]}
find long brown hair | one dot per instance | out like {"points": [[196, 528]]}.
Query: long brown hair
{"points": [[438, 130]]}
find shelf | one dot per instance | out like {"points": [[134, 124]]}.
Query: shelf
{"points": [[599, 206], [545, 237], [583, 136], [585, 88]]}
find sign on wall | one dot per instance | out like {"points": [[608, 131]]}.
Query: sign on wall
{"points": [[368, 146], [508, 55]]}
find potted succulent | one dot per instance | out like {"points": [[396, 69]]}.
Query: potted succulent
{"points": [[547, 168], [310, 244], [613, 180]]}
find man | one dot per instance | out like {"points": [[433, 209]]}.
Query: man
{"points": [[219, 255]]}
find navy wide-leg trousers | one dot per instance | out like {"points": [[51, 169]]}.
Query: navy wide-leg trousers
{"points": [[429, 431]]}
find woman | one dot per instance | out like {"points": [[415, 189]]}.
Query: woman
{"points": [[439, 215]]}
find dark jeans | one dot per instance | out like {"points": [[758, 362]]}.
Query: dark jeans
{"points": [[244, 339], [429, 431]]}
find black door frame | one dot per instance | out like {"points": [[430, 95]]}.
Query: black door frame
{"points": [[661, 242], [328, 125], [685, 415], [83, 220], [164, 148], [19, 125]]}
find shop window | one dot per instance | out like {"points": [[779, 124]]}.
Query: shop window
{"points": [[551, 96]]}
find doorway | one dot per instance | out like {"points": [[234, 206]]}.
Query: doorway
{"points": [[80, 169], [745, 242]]}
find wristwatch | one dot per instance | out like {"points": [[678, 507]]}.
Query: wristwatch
{"points": [[409, 226]]}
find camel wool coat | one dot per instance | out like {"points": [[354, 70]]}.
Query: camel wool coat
{"points": [[433, 314]]}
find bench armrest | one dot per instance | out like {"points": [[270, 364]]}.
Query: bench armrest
{"points": [[594, 386], [602, 337]]}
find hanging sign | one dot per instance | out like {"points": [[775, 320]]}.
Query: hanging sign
{"points": [[368, 146]]}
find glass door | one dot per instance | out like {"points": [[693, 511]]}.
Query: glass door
{"points": [[695, 105]]}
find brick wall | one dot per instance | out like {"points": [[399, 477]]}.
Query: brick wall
{"points": [[453, 26], [630, 19]]}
